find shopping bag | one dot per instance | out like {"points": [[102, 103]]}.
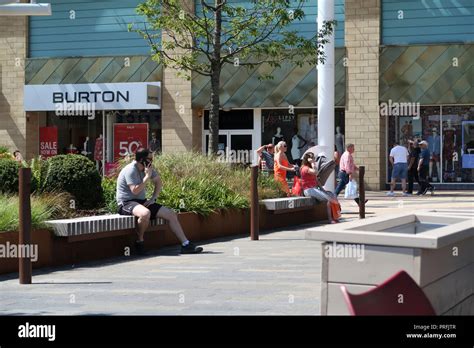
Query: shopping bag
{"points": [[335, 210], [351, 190]]}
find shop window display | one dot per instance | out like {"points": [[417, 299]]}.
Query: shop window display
{"points": [[443, 128], [456, 145], [76, 134], [84, 135], [297, 127]]}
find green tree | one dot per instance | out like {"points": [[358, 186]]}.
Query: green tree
{"points": [[247, 33]]}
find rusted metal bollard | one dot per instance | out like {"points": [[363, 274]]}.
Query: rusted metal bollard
{"points": [[361, 192], [24, 238], [254, 222]]}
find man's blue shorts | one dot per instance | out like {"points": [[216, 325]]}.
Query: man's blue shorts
{"points": [[400, 171]]}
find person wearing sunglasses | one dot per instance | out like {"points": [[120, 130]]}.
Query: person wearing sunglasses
{"points": [[131, 199], [282, 165]]}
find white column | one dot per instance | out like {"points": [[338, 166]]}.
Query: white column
{"points": [[326, 131]]}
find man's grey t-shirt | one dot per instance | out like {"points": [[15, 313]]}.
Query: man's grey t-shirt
{"points": [[130, 175]]}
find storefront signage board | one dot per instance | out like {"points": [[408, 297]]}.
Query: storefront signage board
{"points": [[98, 96]]}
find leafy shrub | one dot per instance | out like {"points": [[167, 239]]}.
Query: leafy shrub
{"points": [[8, 175], [109, 186], [76, 175], [4, 149], [196, 183]]}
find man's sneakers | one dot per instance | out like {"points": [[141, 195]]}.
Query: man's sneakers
{"points": [[140, 248], [432, 189], [390, 194], [190, 248]]}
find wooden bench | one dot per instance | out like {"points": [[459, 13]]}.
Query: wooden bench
{"points": [[99, 226], [288, 204]]}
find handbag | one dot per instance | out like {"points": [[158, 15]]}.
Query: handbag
{"points": [[297, 189], [351, 190]]}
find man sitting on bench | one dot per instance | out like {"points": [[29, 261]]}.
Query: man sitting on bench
{"points": [[131, 199]]}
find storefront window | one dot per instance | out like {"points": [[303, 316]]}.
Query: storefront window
{"points": [[443, 128], [76, 134], [84, 135], [297, 127], [458, 143], [233, 119], [152, 117]]}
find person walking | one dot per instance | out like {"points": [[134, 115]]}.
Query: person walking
{"points": [[399, 160], [347, 168], [424, 169], [414, 150], [282, 165], [131, 200]]}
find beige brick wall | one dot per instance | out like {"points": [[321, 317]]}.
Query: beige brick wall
{"points": [[13, 46], [178, 122], [364, 127]]}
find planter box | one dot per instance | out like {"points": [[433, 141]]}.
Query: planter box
{"points": [[57, 251], [434, 248], [42, 238]]}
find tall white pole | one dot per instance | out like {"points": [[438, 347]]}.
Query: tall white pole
{"points": [[326, 131]]}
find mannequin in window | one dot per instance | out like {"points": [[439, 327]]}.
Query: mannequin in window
{"points": [[297, 144], [449, 144], [277, 137], [99, 152], [87, 148], [311, 134], [154, 144], [434, 147], [71, 149], [339, 141]]}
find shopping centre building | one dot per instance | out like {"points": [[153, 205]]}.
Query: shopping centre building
{"points": [[404, 69]]}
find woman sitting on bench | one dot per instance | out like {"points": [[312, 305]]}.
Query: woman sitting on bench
{"points": [[311, 187]]}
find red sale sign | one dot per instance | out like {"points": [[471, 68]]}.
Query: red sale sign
{"points": [[48, 141], [128, 138]]}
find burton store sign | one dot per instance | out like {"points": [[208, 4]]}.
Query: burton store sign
{"points": [[100, 96]]}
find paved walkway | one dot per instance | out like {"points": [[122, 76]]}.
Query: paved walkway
{"points": [[279, 274]]}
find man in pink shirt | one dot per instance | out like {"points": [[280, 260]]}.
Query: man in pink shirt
{"points": [[347, 168]]}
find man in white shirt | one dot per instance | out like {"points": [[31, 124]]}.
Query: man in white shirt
{"points": [[399, 160]]}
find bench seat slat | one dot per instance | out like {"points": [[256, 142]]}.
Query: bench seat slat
{"points": [[94, 224]]}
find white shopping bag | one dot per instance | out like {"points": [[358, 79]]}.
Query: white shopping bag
{"points": [[351, 190]]}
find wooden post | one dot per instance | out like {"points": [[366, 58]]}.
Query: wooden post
{"points": [[254, 222], [25, 270], [361, 192]]}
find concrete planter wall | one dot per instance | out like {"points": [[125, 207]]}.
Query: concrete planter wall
{"points": [[440, 260], [57, 251]]}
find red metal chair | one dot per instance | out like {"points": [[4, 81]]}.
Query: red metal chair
{"points": [[386, 298]]}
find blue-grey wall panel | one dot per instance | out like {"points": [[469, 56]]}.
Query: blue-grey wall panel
{"points": [[427, 21], [99, 28], [308, 26]]}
